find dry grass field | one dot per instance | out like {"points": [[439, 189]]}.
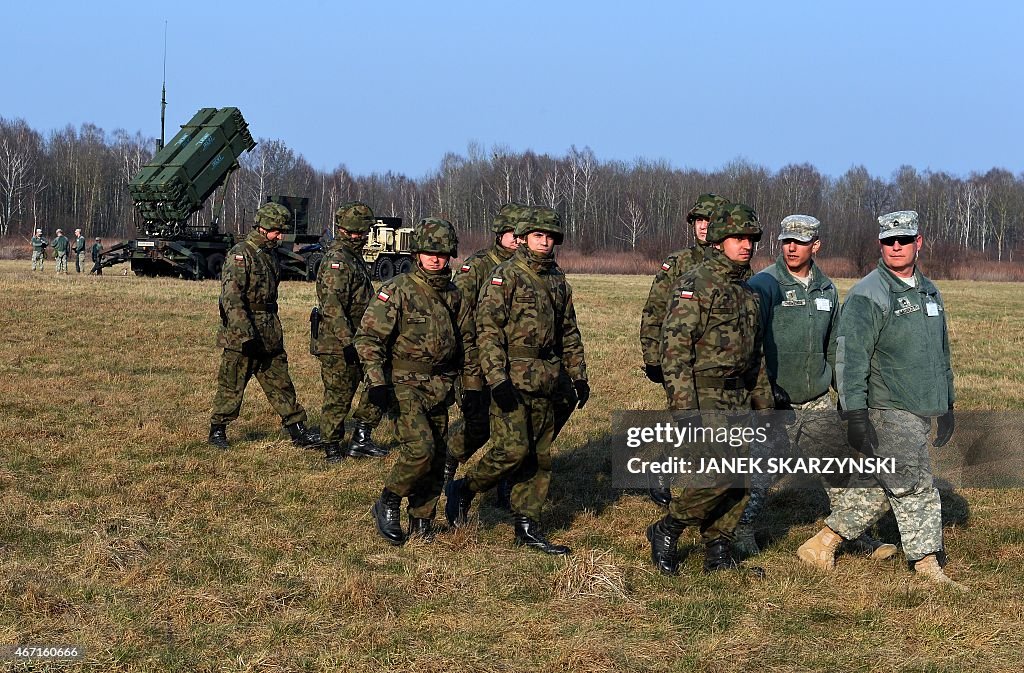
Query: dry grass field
{"points": [[122, 531]]}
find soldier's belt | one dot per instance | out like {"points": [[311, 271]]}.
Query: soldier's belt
{"points": [[419, 367], [720, 382], [531, 353], [263, 308]]}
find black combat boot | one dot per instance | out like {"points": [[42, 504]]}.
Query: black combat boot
{"points": [[659, 491], [219, 436], [456, 508], [663, 536], [421, 528], [529, 534], [301, 436], [362, 445], [388, 518], [718, 556], [333, 452]]}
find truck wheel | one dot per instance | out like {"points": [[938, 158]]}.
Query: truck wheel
{"points": [[141, 268], [384, 269], [313, 265], [404, 265], [198, 264], [214, 263]]}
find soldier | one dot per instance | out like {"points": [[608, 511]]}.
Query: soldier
{"points": [[60, 252], [526, 336], [476, 271], [39, 244], [893, 374], [79, 251], [674, 266], [413, 338], [712, 360], [97, 253], [799, 312], [250, 332], [343, 289]]}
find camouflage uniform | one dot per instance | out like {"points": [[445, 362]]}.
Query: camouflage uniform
{"points": [[79, 252], [60, 252], [343, 289], [412, 338], [97, 252], [526, 337], [712, 360], [38, 251], [250, 331]]}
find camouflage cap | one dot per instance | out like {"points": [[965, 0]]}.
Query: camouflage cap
{"points": [[540, 218], [435, 236], [736, 219], [507, 217], [803, 228], [273, 217], [354, 216], [705, 206], [900, 223]]}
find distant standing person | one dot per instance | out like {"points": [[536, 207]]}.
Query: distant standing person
{"points": [[97, 252], [250, 332], [60, 252], [79, 251], [39, 250], [894, 375]]}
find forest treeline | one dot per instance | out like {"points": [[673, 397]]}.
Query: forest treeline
{"points": [[78, 177]]}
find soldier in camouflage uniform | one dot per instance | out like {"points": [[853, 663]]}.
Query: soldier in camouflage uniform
{"points": [[250, 332], [893, 374], [712, 360], [413, 337], [526, 336], [665, 281], [79, 251], [39, 244], [61, 246], [799, 314], [97, 252], [343, 289]]}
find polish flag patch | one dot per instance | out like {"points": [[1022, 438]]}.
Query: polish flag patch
{"points": [[496, 281], [239, 258], [335, 265], [465, 268], [383, 296], [665, 266], [686, 294]]}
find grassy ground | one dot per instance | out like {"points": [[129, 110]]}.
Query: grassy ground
{"points": [[121, 530]]}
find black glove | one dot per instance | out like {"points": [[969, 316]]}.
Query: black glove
{"points": [[583, 392], [351, 356], [504, 395], [944, 428], [860, 433], [782, 400], [378, 396], [654, 373], [473, 402]]}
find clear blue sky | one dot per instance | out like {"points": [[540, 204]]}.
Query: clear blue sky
{"points": [[381, 86]]}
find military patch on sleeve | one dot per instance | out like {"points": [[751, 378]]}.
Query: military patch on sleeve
{"points": [[464, 269], [335, 265], [686, 294], [496, 281], [240, 260], [383, 296], [665, 266]]}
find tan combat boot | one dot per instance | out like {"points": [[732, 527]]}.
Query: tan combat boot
{"points": [[820, 550], [929, 569], [869, 547]]}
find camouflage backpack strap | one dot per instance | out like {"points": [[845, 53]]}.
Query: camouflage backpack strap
{"points": [[493, 257], [437, 295], [535, 279]]}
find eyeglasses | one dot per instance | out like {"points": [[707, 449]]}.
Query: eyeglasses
{"points": [[902, 240]]}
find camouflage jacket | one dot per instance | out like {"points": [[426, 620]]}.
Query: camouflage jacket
{"points": [[343, 289], [80, 244], [674, 266], [526, 325], [413, 334], [248, 297], [60, 245], [475, 272], [39, 243], [799, 330], [97, 250], [893, 346], [711, 340]]}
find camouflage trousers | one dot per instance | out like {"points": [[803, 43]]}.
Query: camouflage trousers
{"points": [[714, 510], [520, 452], [62, 263], [79, 262], [815, 429], [418, 474], [272, 373], [340, 382], [909, 491], [38, 260]]}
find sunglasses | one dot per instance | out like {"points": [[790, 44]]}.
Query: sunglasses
{"points": [[902, 240]]}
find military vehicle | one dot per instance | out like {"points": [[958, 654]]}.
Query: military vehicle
{"points": [[299, 254], [388, 248]]}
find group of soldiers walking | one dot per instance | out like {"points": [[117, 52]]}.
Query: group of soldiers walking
{"points": [[500, 339], [62, 247]]}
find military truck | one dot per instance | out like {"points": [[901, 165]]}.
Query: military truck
{"points": [[169, 193], [388, 248]]}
